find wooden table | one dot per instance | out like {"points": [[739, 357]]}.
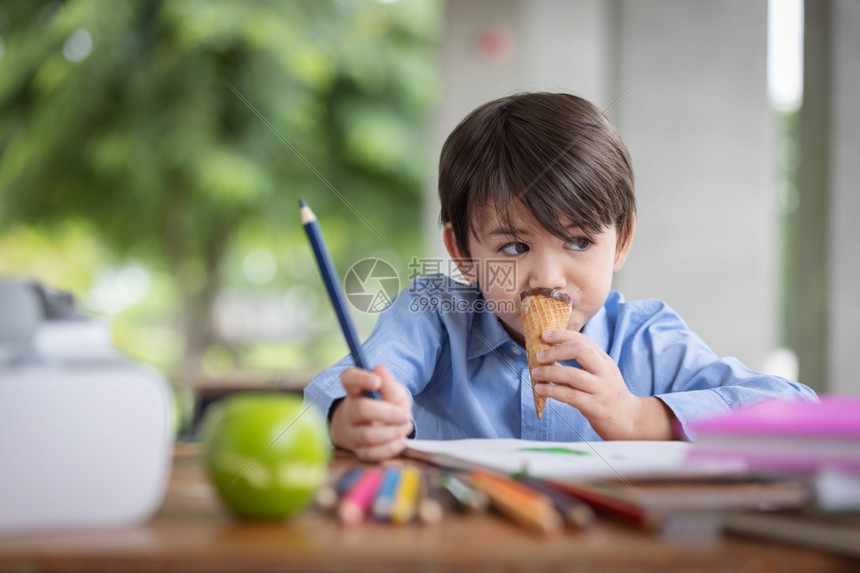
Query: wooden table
{"points": [[192, 532]]}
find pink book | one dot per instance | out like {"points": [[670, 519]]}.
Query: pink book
{"points": [[782, 435], [833, 417]]}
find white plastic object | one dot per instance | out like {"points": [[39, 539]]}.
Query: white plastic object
{"points": [[85, 446]]}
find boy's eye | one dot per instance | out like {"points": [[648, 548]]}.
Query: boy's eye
{"points": [[514, 248], [578, 243]]}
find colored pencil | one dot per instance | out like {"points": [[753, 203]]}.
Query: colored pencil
{"points": [[610, 505], [339, 482], [576, 513], [444, 495], [348, 479], [384, 501], [332, 285], [466, 497], [406, 498], [356, 503], [518, 502], [430, 503]]}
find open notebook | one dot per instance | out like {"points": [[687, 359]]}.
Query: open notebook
{"points": [[569, 460]]}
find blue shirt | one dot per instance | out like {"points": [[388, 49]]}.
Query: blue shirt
{"points": [[469, 379]]}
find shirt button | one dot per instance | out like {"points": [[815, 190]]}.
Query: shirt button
{"points": [[516, 350]]}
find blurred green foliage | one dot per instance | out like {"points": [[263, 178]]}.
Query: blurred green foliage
{"points": [[152, 153]]}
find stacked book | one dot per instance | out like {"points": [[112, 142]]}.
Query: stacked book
{"points": [[817, 443], [786, 436]]}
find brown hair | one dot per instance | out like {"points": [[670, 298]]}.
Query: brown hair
{"points": [[555, 154]]}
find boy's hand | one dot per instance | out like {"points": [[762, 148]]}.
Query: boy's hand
{"points": [[373, 429], [598, 390]]}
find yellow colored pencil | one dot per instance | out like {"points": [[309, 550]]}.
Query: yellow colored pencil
{"points": [[406, 498]]}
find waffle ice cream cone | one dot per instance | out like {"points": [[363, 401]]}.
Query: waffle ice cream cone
{"points": [[542, 309]]}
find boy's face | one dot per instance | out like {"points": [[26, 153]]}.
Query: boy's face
{"points": [[527, 256]]}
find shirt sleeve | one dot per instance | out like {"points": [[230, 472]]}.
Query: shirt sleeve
{"points": [[690, 379], [407, 339]]}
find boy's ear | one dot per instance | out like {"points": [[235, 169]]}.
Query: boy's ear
{"points": [[621, 250], [463, 262]]}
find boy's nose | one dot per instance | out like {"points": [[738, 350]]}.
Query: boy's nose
{"points": [[546, 273]]}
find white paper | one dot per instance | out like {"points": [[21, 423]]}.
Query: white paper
{"points": [[592, 460]]}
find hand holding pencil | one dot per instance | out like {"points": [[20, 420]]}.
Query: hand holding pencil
{"points": [[375, 417], [373, 429]]}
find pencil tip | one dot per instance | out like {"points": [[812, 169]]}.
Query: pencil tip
{"points": [[302, 202]]}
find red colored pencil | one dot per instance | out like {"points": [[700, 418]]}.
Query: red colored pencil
{"points": [[610, 505]]}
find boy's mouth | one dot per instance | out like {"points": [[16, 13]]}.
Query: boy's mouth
{"points": [[548, 292]]}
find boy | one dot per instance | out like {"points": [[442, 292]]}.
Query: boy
{"points": [[536, 192]]}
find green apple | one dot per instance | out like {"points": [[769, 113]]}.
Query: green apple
{"points": [[265, 453]]}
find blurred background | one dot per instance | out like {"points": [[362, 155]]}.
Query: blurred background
{"points": [[152, 153]]}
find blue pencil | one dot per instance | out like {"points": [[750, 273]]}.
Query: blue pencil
{"points": [[329, 274], [384, 501]]}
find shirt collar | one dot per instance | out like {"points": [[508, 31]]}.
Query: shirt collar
{"points": [[597, 329], [487, 335]]}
